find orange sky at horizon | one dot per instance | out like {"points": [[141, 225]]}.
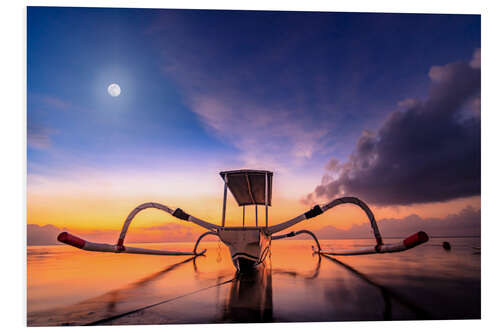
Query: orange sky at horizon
{"points": [[91, 213]]}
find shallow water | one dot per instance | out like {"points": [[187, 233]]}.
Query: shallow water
{"points": [[67, 286]]}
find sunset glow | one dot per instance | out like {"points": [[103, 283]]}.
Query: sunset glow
{"points": [[192, 102]]}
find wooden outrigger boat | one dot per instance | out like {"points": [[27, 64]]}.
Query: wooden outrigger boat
{"points": [[249, 245]]}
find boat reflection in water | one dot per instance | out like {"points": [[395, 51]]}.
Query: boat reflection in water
{"points": [[250, 296], [69, 287]]}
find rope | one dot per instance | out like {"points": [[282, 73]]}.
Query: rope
{"points": [[101, 321]]}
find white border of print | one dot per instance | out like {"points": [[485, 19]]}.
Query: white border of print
{"points": [[13, 149]]}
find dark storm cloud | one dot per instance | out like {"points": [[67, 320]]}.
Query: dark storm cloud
{"points": [[428, 152]]}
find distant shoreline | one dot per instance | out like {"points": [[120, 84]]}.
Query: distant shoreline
{"points": [[324, 239]]}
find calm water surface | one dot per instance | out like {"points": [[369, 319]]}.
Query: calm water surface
{"points": [[67, 286]]}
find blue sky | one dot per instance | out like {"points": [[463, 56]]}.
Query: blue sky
{"points": [[204, 91]]}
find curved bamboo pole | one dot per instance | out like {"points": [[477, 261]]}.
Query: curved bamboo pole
{"points": [[317, 210], [119, 247], [202, 236], [295, 233], [83, 244], [179, 213], [406, 244]]}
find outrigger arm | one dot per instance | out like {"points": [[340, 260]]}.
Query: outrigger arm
{"points": [[295, 233], [406, 244], [317, 210], [75, 241], [380, 247], [179, 213]]}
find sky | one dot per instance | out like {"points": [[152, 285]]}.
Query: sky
{"points": [[385, 107]]}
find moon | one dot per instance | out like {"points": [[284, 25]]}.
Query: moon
{"points": [[114, 90]]}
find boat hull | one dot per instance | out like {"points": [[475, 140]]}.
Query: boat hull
{"points": [[248, 246]]}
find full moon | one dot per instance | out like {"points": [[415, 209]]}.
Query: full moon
{"points": [[114, 90]]}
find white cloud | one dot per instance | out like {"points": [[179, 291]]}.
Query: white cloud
{"points": [[39, 137], [264, 135], [476, 59], [408, 103]]}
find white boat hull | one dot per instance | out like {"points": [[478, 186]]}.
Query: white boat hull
{"points": [[248, 246]]}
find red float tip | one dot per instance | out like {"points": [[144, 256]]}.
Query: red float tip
{"points": [[416, 239], [69, 239]]}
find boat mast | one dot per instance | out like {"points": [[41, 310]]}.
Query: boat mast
{"points": [[256, 216], [224, 203], [266, 198]]}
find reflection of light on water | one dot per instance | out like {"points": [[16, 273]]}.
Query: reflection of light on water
{"points": [[295, 286], [250, 297]]}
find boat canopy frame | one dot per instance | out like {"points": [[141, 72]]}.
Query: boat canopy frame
{"points": [[248, 187]]}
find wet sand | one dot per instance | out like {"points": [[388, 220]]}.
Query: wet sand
{"points": [[67, 286]]}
